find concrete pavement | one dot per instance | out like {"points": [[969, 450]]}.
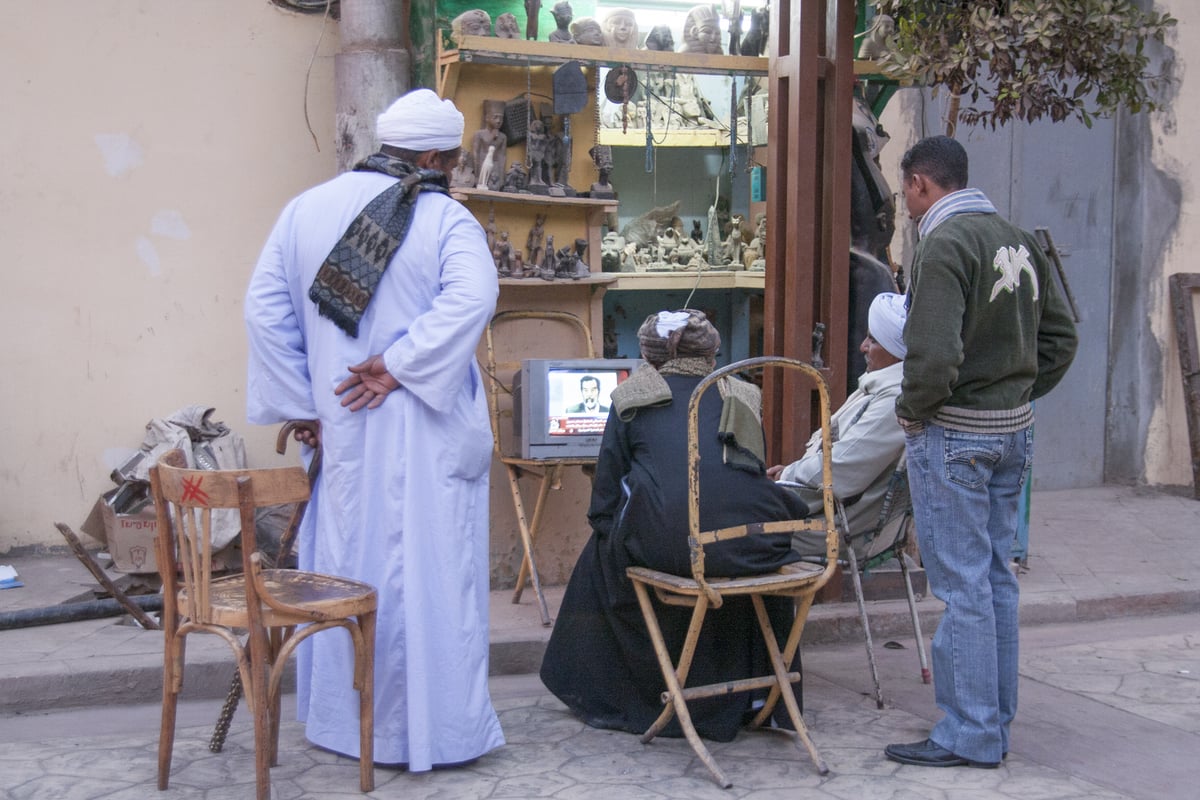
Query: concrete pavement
{"points": [[1110, 710], [1110, 692]]}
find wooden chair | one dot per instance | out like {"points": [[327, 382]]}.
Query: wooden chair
{"points": [[500, 378], [887, 538], [268, 603], [799, 581]]}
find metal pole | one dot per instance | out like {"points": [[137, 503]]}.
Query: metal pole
{"points": [[370, 72]]}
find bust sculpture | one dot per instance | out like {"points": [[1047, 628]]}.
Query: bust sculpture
{"points": [[620, 29], [475, 22], [563, 15], [660, 38], [506, 26], [702, 31], [587, 31]]}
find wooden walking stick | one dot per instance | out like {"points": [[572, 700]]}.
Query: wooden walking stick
{"points": [[313, 427]]}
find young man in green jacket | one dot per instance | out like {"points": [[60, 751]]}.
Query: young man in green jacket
{"points": [[987, 332]]}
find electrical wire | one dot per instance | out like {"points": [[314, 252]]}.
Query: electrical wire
{"points": [[328, 4]]}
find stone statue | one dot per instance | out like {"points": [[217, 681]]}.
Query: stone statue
{"points": [[536, 143], [532, 9], [603, 159], [587, 31], [733, 242], [701, 31], [818, 341], [516, 179], [506, 26], [502, 254], [475, 22], [490, 230], [463, 174], [697, 235], [612, 252], [733, 11], [546, 271], [660, 38], [753, 256], [483, 142], [484, 180], [621, 29], [533, 242], [563, 14], [875, 42], [755, 40], [570, 263]]}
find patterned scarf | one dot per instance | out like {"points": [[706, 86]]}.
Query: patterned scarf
{"points": [[351, 272]]}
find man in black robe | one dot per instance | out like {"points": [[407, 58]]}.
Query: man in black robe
{"points": [[600, 661]]}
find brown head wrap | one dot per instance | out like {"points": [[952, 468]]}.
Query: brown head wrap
{"points": [[669, 335]]}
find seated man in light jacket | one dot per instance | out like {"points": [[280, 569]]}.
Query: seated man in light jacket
{"points": [[868, 442]]}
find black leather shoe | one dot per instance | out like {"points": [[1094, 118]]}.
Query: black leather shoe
{"points": [[929, 754]]}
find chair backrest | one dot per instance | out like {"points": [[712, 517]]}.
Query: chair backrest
{"points": [[184, 500], [826, 523], [890, 529], [558, 334]]}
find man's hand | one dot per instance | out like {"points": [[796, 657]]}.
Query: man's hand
{"points": [[307, 432], [774, 472], [368, 385]]}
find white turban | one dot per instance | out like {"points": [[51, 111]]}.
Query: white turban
{"points": [[420, 121], [885, 321]]}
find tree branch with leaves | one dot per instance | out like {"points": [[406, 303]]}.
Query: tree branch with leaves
{"points": [[1027, 59]]}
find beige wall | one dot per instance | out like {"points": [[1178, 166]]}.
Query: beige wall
{"points": [[1174, 137], [147, 149]]}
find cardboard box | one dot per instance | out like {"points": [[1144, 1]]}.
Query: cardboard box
{"points": [[129, 538]]}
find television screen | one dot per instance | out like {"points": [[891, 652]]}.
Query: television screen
{"points": [[560, 406]]}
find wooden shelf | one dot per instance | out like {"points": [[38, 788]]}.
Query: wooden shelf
{"points": [[464, 195], [709, 279], [684, 137], [492, 50], [594, 279]]}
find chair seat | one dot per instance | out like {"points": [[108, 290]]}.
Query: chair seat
{"points": [[786, 578], [315, 597]]}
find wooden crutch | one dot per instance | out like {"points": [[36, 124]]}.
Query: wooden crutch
{"points": [[221, 729]]}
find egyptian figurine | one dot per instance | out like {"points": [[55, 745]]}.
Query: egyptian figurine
{"points": [[621, 29], [475, 22], [702, 31]]}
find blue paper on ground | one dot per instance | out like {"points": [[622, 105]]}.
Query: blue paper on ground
{"points": [[8, 577]]}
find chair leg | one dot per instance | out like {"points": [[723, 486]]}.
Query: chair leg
{"points": [[926, 677], [257, 695], [779, 662], [172, 681], [677, 705], [277, 638], [856, 577], [366, 703], [527, 530]]}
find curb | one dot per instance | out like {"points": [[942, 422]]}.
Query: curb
{"points": [[137, 679]]}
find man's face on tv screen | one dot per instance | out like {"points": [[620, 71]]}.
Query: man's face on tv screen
{"points": [[591, 394]]}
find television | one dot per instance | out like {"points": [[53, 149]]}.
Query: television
{"points": [[560, 406]]}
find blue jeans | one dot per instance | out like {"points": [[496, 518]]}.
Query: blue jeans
{"points": [[966, 489]]}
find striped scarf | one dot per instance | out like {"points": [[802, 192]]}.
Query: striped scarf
{"points": [[964, 201], [351, 272]]}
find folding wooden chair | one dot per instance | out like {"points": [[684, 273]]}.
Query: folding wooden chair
{"points": [[268, 603], [887, 538], [799, 581], [500, 377]]}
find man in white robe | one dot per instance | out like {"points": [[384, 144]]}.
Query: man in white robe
{"points": [[402, 497]]}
